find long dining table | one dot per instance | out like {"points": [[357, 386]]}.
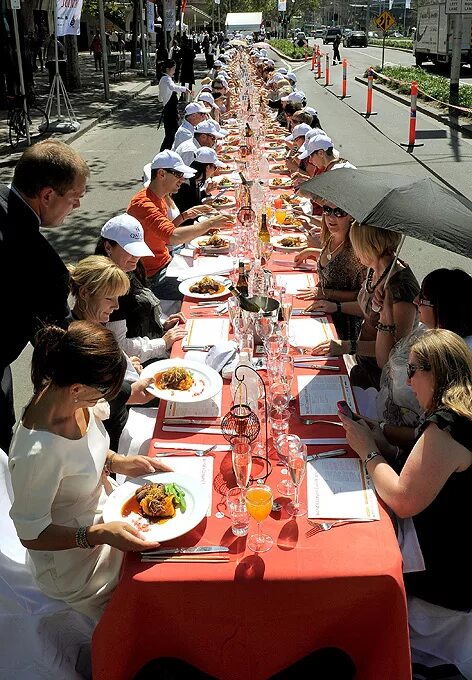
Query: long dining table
{"points": [[257, 614]]}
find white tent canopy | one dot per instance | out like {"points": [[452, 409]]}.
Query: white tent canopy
{"points": [[246, 22]]}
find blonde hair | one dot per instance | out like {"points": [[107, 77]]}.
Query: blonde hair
{"points": [[372, 242], [302, 117], [449, 358], [283, 83], [325, 234], [97, 275]]}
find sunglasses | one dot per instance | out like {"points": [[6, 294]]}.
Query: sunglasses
{"points": [[175, 173], [423, 302], [337, 212], [412, 368]]}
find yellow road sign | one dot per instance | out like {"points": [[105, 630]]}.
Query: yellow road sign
{"points": [[385, 21]]}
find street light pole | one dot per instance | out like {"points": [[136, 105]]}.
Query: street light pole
{"points": [[455, 59]]}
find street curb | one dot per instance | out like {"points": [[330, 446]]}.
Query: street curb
{"points": [[398, 49], [402, 99], [87, 125], [284, 56]]}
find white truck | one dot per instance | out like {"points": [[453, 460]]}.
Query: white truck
{"points": [[433, 37]]}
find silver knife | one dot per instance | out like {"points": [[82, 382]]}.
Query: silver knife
{"points": [[317, 367], [188, 551], [327, 454]]}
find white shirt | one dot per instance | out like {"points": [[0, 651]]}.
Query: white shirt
{"points": [[184, 132], [188, 150], [167, 87]]}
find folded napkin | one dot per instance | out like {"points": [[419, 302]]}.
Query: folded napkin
{"points": [[221, 354]]}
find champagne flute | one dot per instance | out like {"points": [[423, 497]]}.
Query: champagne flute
{"points": [[242, 460], [287, 306], [259, 506], [287, 370], [283, 444], [296, 463]]}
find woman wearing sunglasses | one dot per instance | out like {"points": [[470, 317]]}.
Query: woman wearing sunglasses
{"points": [[433, 488], [192, 192], [59, 461], [340, 272]]}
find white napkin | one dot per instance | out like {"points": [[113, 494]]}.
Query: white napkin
{"points": [[221, 354]]}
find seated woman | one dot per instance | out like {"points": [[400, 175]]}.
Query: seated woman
{"points": [[339, 270], [192, 192], [96, 284], [375, 249], [434, 485], [57, 459], [137, 323]]}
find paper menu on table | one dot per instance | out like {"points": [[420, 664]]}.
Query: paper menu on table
{"points": [[319, 394], [340, 489], [309, 332], [295, 282], [210, 408], [197, 468], [205, 332]]}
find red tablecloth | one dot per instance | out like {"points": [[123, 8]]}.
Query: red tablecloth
{"points": [[257, 614]]}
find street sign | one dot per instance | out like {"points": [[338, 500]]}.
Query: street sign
{"points": [[458, 6], [15, 4], [385, 21]]}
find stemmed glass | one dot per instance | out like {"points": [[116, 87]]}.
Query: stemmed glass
{"points": [[287, 306], [296, 463], [283, 444], [259, 506], [264, 327], [242, 460], [286, 370], [279, 395], [274, 345]]}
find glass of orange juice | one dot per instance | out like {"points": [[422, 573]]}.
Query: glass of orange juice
{"points": [[280, 215], [259, 506]]}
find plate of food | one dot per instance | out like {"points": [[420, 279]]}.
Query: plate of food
{"points": [[289, 243], [204, 287], [228, 148], [278, 168], [229, 167], [291, 199], [182, 380], [275, 145], [162, 506], [216, 243], [222, 202], [293, 222], [226, 182], [278, 156], [280, 182]]}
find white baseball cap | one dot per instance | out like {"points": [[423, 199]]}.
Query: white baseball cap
{"points": [[222, 74], [282, 70], [206, 155], [291, 76], [206, 127], [298, 131], [218, 64], [311, 111], [296, 97], [194, 107], [208, 98], [277, 77], [169, 160], [128, 233], [320, 141]]}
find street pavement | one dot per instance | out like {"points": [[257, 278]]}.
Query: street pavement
{"points": [[118, 148]]}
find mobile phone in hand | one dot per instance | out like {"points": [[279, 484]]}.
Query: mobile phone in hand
{"points": [[345, 409]]}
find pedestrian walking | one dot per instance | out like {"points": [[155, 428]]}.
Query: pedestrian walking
{"points": [[168, 95], [336, 55], [97, 49]]}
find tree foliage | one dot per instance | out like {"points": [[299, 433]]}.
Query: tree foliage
{"points": [[114, 11]]}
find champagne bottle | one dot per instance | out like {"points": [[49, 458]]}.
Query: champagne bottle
{"points": [[242, 285], [264, 234], [244, 303]]}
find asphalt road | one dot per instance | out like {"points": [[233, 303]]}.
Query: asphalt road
{"points": [[117, 150]]}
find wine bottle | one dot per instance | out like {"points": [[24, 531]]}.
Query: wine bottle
{"points": [[264, 234], [242, 284], [244, 303]]}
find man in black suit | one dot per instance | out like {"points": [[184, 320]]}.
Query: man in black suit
{"points": [[48, 183]]}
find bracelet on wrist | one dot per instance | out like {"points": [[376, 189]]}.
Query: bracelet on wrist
{"points": [[370, 456], [81, 539], [108, 467], [353, 348], [338, 307], [386, 328]]}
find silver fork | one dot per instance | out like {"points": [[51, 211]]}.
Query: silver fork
{"points": [[316, 527]]}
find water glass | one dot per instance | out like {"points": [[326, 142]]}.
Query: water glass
{"points": [[283, 444], [246, 343], [274, 345], [279, 396], [279, 421], [236, 504], [286, 370], [287, 306]]}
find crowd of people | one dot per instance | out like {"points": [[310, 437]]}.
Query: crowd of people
{"points": [[410, 343]]}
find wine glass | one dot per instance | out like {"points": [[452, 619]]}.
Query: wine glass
{"points": [[264, 327], [283, 444], [279, 396], [242, 460], [273, 346], [296, 463], [287, 306], [286, 370], [259, 506]]}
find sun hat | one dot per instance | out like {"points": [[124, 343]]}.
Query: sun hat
{"points": [[169, 160], [206, 155], [216, 125], [194, 107], [291, 76], [296, 97], [208, 128], [128, 233], [282, 70], [276, 78], [320, 141], [298, 131], [311, 110], [208, 98]]}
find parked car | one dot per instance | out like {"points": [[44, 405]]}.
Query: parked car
{"points": [[330, 34], [373, 34], [355, 39], [318, 32]]}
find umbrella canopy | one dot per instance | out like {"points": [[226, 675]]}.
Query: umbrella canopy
{"points": [[262, 45], [421, 208]]}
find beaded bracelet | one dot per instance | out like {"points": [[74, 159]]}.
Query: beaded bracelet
{"points": [[108, 464], [386, 328], [81, 539]]}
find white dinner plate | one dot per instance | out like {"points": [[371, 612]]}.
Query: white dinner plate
{"points": [[206, 381], [229, 202], [225, 182], [196, 243], [184, 288], [286, 183], [276, 242], [229, 167], [278, 168], [195, 496], [275, 145]]}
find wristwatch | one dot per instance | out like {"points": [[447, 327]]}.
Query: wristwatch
{"points": [[382, 425], [370, 456]]}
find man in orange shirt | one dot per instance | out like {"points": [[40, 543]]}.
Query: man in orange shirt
{"points": [[168, 172]]}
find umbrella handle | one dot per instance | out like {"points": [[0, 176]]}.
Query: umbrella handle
{"points": [[375, 308]]}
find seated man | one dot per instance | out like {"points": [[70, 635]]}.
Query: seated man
{"points": [[195, 113], [206, 134], [149, 207]]}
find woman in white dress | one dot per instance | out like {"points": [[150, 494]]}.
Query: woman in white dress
{"points": [[59, 461]]}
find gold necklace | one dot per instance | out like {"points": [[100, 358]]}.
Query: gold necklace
{"points": [[330, 253]]}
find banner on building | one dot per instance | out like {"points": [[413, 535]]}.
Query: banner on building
{"points": [[150, 17], [68, 17], [168, 7], [282, 5]]}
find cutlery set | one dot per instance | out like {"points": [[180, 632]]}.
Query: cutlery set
{"points": [[200, 553]]}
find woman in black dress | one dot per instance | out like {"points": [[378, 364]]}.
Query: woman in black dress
{"points": [[187, 57], [192, 192]]}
